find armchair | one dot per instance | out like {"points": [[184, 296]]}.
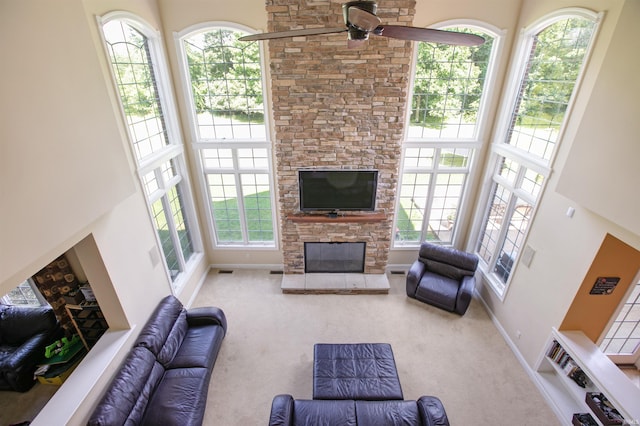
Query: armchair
{"points": [[443, 277], [24, 334]]}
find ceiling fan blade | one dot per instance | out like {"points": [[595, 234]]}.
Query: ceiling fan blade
{"points": [[429, 35], [292, 33], [363, 20]]}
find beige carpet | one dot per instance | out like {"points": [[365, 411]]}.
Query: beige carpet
{"points": [[269, 350]]}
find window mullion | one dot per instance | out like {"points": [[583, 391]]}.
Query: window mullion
{"points": [[173, 232], [433, 175], [504, 230], [240, 191]]}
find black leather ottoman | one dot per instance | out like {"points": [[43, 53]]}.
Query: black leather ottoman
{"points": [[364, 371]]}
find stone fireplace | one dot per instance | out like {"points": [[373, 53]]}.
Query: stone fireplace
{"points": [[342, 108]]}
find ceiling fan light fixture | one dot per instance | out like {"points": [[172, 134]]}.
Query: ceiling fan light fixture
{"points": [[357, 34], [367, 6]]}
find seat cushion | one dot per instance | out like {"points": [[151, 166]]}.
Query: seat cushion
{"points": [[438, 290], [180, 398], [387, 413], [314, 412]]}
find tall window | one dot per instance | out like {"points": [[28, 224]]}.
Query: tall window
{"points": [[443, 134], [137, 70], [554, 52], [230, 135]]}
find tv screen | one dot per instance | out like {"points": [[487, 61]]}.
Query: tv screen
{"points": [[333, 190]]}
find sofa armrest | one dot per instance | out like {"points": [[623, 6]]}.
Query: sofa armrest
{"points": [[29, 353], [432, 411], [281, 411], [414, 276], [465, 294], [206, 316]]}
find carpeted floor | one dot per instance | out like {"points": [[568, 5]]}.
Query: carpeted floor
{"points": [[268, 350]]}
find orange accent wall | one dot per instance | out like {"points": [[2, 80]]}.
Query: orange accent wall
{"points": [[591, 313]]}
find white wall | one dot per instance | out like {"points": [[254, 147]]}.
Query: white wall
{"points": [[63, 162], [540, 295], [604, 157], [67, 175]]}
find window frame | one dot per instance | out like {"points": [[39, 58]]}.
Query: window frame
{"points": [[474, 144], [173, 152], [500, 148], [197, 145], [39, 302]]}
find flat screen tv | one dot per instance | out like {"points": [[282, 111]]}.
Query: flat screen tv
{"points": [[337, 190]]}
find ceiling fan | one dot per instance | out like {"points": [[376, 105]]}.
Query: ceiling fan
{"points": [[360, 20]]}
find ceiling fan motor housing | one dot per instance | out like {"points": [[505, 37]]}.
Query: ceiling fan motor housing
{"points": [[354, 32]]}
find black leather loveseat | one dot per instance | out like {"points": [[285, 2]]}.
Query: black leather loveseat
{"points": [[24, 335], [165, 378], [426, 411]]}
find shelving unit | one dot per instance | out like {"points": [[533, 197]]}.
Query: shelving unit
{"points": [[566, 396], [89, 322]]}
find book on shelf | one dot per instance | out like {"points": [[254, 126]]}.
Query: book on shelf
{"points": [[569, 367]]}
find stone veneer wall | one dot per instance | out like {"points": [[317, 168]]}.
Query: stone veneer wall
{"points": [[336, 107]]}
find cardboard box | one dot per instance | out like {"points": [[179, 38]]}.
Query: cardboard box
{"points": [[57, 377]]}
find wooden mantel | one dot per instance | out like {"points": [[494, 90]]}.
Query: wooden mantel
{"points": [[323, 218]]}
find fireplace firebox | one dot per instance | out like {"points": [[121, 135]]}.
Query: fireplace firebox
{"points": [[334, 257]]}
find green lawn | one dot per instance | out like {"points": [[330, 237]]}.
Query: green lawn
{"points": [[258, 216]]}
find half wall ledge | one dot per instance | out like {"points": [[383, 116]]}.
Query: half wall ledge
{"points": [[335, 283]]}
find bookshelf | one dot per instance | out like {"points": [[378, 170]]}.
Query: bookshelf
{"points": [[569, 351], [89, 322]]}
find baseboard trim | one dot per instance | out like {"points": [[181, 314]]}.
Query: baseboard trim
{"points": [[267, 266], [530, 372], [198, 286]]}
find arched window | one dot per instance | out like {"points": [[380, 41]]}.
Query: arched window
{"points": [[229, 133], [140, 74], [552, 54], [448, 95]]}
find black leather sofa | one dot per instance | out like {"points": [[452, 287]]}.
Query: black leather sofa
{"points": [[165, 378], [24, 335], [426, 411]]}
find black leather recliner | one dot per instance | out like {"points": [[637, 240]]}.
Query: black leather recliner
{"points": [[24, 335], [443, 277]]}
